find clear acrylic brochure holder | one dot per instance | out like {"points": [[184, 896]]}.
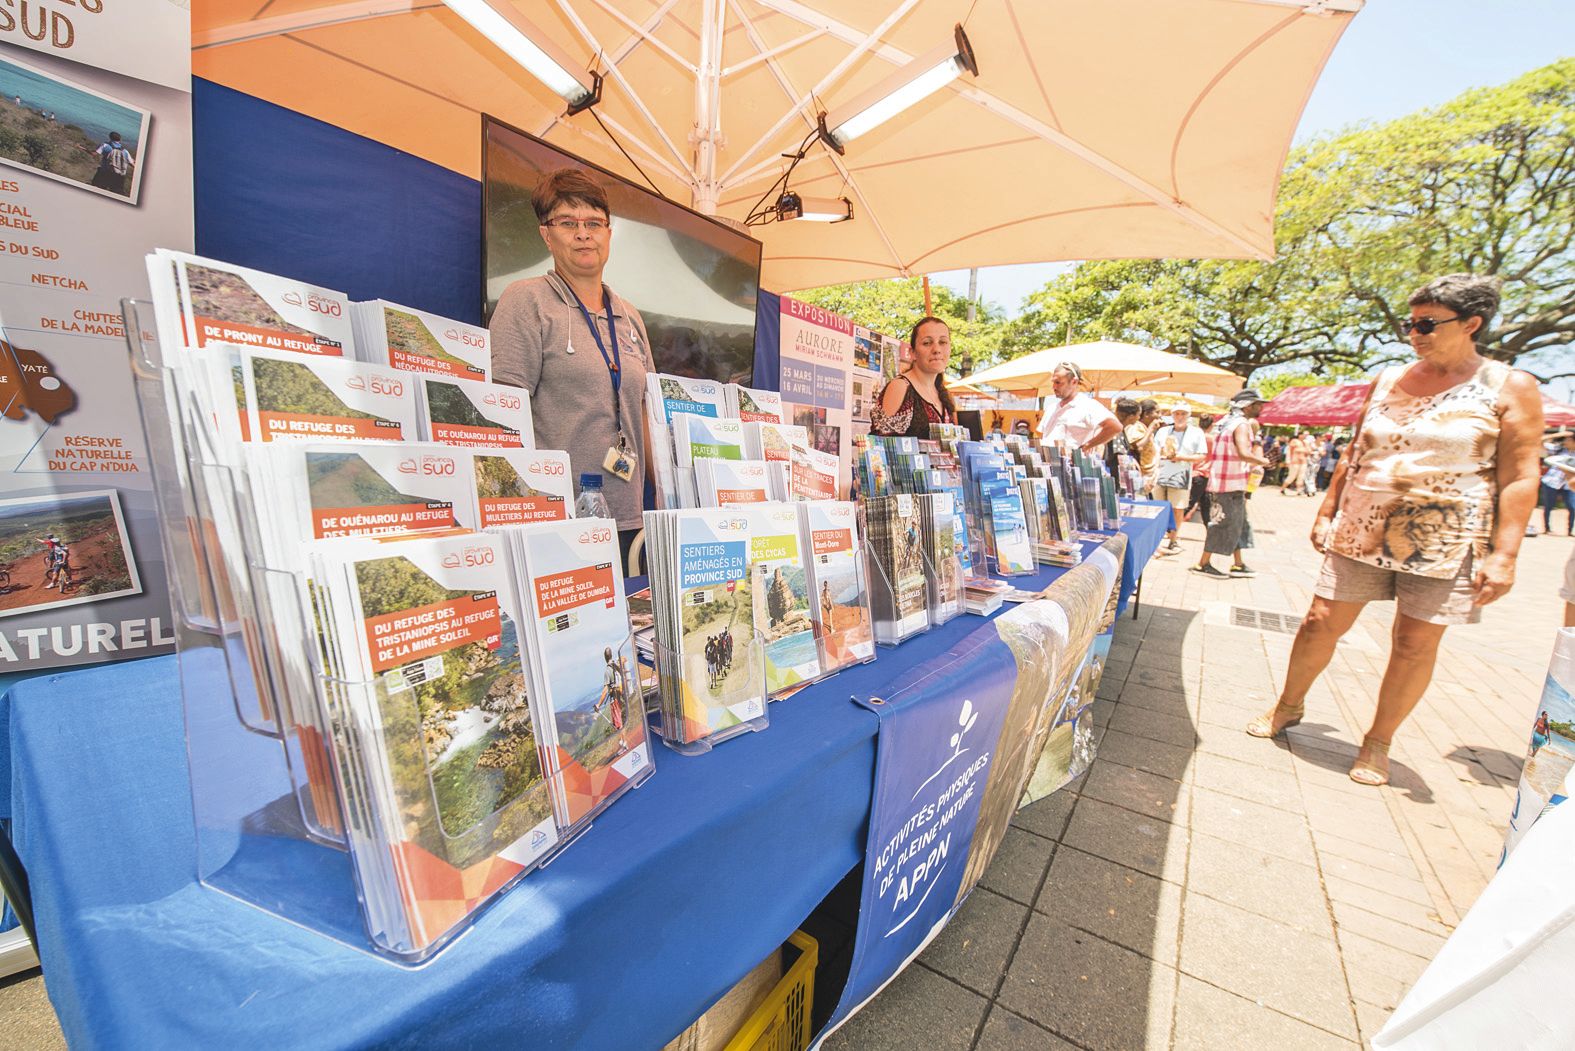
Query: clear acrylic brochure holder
{"points": [[711, 697], [891, 629], [838, 647], [302, 806]]}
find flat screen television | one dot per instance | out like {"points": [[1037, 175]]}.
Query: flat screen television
{"points": [[692, 278]]}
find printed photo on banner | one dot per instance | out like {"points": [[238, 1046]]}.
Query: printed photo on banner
{"points": [[62, 549], [70, 133]]}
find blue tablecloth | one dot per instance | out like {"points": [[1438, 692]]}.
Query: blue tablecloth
{"points": [[1144, 535], [675, 892]]}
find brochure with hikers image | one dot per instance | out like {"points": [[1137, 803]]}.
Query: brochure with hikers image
{"points": [[779, 589], [62, 549], [65, 131], [585, 679], [839, 601], [703, 596]]}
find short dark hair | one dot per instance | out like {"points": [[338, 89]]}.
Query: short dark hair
{"points": [[1126, 407], [568, 186], [1206, 420], [1147, 405], [114, 136], [1469, 295]]}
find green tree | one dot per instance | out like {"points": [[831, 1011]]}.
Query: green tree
{"points": [[892, 307], [1485, 184]]}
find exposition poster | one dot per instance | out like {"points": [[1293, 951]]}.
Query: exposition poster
{"points": [[95, 171]]}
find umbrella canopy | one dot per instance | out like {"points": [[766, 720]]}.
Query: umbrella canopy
{"points": [[1332, 405], [1113, 366], [1124, 128]]}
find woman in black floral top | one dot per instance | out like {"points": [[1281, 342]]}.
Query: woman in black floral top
{"points": [[918, 397]]}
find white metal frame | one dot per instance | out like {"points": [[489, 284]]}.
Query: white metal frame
{"points": [[16, 953]]}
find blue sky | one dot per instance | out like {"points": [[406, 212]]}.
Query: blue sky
{"points": [[1396, 57]]}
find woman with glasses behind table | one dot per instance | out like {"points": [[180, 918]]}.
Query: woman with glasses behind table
{"points": [[1427, 507], [918, 397], [579, 349]]}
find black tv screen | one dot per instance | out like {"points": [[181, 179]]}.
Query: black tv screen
{"points": [[693, 279]]}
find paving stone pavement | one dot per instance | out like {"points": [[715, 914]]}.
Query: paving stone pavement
{"points": [[1199, 888]]}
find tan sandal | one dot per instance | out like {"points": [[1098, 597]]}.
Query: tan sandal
{"points": [[1270, 724], [1372, 763]]}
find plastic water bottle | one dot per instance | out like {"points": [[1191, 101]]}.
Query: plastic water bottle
{"points": [[592, 502]]}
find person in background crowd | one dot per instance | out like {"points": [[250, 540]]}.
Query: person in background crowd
{"points": [[1198, 500], [1232, 456], [1558, 482], [1295, 463], [1428, 508], [1139, 433], [579, 348], [1328, 458], [917, 397], [1180, 446], [1075, 417], [1022, 430], [1274, 453]]}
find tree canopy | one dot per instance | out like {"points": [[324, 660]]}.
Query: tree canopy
{"points": [[1483, 184], [892, 307]]}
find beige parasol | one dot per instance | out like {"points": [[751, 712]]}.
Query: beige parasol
{"points": [[1109, 366], [1122, 128]]}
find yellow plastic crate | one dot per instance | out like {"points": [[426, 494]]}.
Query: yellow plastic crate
{"points": [[782, 1021]]}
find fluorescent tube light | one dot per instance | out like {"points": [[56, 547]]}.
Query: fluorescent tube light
{"points": [[522, 41], [921, 77]]}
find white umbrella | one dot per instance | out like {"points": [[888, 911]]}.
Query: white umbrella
{"points": [[1147, 128], [1113, 366]]}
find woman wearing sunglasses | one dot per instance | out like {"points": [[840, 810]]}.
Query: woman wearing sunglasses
{"points": [[1428, 506]]}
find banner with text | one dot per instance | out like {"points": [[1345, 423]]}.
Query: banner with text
{"points": [[960, 737], [95, 171]]}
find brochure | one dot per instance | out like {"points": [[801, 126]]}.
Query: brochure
{"points": [[520, 486], [754, 405], [224, 303], [839, 601], [780, 591], [474, 414], [412, 340], [291, 396]]}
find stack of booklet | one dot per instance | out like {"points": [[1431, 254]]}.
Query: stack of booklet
{"points": [[709, 657], [985, 594], [413, 340], [945, 594], [839, 598], [898, 583]]}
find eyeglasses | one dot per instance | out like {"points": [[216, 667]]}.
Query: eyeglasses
{"points": [[594, 226], [1425, 325]]}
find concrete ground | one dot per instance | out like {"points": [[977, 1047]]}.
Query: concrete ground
{"points": [[1199, 888]]}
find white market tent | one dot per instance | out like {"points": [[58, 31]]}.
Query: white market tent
{"points": [[1123, 128], [1110, 366]]}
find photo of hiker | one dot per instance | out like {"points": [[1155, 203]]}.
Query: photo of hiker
{"points": [[70, 133], [62, 549]]}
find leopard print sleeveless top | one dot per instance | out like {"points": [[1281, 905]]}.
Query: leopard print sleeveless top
{"points": [[1422, 487]]}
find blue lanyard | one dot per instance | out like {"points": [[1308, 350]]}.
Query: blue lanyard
{"points": [[615, 362]]}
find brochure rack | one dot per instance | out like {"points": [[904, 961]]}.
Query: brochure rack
{"points": [[733, 701], [884, 598], [838, 646], [314, 795]]}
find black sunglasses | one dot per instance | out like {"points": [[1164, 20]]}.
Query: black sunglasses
{"points": [[1425, 325]]}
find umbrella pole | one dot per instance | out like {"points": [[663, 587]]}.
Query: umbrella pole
{"points": [[928, 312]]}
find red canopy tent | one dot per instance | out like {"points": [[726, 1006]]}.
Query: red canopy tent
{"points": [[1557, 413], [1339, 405], [1336, 405]]}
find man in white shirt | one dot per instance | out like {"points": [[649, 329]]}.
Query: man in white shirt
{"points": [[1179, 445], [1075, 417]]}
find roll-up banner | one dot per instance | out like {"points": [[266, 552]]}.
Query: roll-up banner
{"points": [[954, 763], [95, 171]]}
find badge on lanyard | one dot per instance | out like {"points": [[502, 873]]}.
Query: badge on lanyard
{"points": [[621, 457]]}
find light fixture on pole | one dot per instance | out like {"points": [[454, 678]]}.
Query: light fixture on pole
{"points": [[526, 44], [920, 78], [792, 205]]}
